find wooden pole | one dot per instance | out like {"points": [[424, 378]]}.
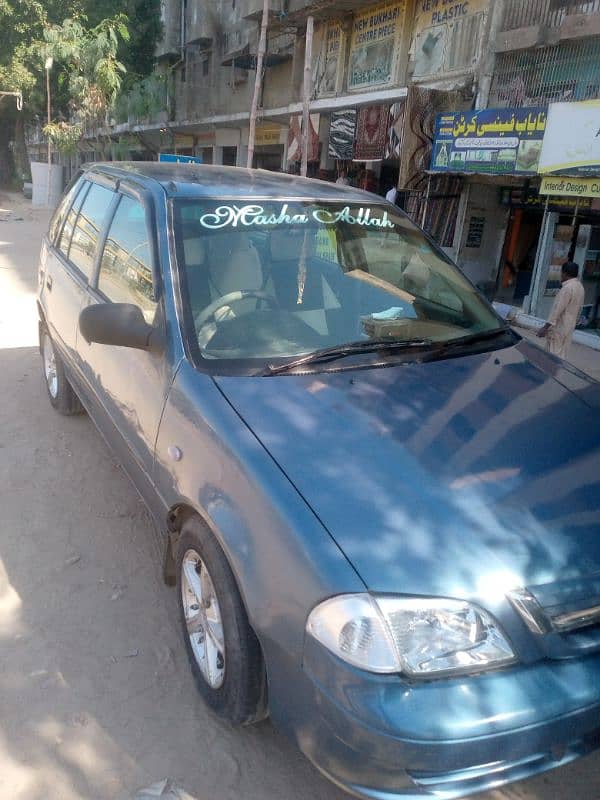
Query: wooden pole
{"points": [[262, 46], [305, 132], [49, 110]]}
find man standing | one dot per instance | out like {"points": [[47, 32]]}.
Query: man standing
{"points": [[565, 311]]}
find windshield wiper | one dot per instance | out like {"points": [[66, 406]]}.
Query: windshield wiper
{"points": [[348, 349], [471, 338], [376, 345]]}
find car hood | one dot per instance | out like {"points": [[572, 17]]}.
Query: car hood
{"points": [[454, 477]]}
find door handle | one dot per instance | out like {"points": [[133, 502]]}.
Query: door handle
{"points": [[49, 282]]}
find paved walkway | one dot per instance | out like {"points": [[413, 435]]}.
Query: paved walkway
{"points": [[584, 358]]}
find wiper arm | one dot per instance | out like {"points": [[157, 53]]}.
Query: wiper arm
{"points": [[471, 338], [348, 349]]}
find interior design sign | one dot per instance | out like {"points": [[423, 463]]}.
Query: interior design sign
{"points": [[564, 153], [571, 187], [495, 141], [373, 48]]}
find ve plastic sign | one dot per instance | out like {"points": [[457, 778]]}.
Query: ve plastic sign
{"points": [[234, 216]]}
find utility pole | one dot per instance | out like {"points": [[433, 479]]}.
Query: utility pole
{"points": [[48, 67], [262, 46], [306, 91]]}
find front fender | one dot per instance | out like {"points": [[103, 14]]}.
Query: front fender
{"points": [[284, 560]]}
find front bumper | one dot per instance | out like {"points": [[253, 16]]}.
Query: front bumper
{"points": [[385, 738]]}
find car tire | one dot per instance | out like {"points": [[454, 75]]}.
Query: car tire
{"points": [[60, 392], [224, 653]]}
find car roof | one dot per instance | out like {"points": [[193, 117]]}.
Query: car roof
{"points": [[207, 180]]}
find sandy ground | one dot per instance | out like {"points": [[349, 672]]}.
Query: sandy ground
{"points": [[96, 700]]}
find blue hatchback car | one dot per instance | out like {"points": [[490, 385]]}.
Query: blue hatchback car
{"points": [[380, 505]]}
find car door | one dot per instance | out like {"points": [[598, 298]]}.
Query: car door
{"points": [[68, 263], [127, 386]]}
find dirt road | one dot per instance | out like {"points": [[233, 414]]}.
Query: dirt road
{"points": [[96, 700]]}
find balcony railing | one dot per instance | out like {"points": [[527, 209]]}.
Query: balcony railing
{"points": [[551, 13]]}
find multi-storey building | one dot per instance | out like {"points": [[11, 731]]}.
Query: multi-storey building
{"points": [[543, 52]]}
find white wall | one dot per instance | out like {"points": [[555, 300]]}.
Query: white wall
{"points": [[480, 263]]}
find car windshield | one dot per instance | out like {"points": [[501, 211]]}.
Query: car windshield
{"points": [[265, 279]]}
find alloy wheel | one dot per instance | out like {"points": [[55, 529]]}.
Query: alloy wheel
{"points": [[203, 619]]}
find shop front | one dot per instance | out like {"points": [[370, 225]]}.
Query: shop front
{"points": [[496, 151], [569, 167]]}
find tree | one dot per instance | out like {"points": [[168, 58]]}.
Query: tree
{"points": [[145, 28], [87, 62], [23, 23]]}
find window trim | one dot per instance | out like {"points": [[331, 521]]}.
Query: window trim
{"points": [[78, 184], [125, 190], [87, 280]]}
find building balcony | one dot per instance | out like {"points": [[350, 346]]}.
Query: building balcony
{"points": [[170, 45], [546, 22], [200, 25], [241, 47], [252, 9], [293, 13]]}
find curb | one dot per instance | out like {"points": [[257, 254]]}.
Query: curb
{"points": [[516, 317]]}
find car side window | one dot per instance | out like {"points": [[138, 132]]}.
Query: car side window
{"points": [[126, 266], [61, 212], [66, 234], [91, 218]]}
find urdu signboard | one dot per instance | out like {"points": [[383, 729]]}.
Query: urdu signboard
{"points": [[495, 141]]}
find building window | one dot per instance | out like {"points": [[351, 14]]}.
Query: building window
{"points": [[564, 72]]}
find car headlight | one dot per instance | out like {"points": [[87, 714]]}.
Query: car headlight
{"points": [[420, 637]]}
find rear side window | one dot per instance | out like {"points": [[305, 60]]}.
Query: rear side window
{"points": [[67, 232], [91, 218], [126, 266], [61, 212]]}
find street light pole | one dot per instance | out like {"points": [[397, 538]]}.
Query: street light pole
{"points": [[48, 67]]}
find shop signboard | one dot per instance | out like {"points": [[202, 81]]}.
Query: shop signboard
{"points": [[571, 187], [446, 35], [495, 141], [532, 199], [330, 59], [175, 158], [268, 134], [572, 140], [373, 45]]}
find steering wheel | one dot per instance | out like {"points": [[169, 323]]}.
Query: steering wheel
{"points": [[227, 299]]}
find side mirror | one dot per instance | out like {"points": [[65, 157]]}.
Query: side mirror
{"points": [[120, 324]]}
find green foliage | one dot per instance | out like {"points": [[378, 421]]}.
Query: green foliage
{"points": [[144, 99], [123, 147], [63, 136], [145, 28], [96, 51], [86, 59]]}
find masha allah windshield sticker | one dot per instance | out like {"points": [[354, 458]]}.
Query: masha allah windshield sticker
{"points": [[255, 215]]}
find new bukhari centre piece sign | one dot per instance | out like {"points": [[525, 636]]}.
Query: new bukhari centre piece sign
{"points": [[373, 49], [496, 141]]}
